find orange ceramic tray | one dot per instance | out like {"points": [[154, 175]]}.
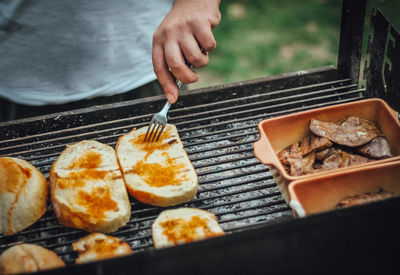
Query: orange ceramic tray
{"points": [[323, 193], [278, 133]]}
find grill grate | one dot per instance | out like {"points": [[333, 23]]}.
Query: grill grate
{"points": [[217, 135]]}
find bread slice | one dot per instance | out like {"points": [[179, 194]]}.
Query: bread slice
{"points": [[23, 195], [22, 258], [157, 173], [87, 190], [97, 246], [184, 225]]}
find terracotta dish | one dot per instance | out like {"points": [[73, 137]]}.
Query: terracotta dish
{"points": [[278, 133], [323, 193]]}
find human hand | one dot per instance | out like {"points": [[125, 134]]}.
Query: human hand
{"points": [[184, 37]]}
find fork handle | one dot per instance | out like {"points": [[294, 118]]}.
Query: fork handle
{"points": [[178, 83], [166, 107]]}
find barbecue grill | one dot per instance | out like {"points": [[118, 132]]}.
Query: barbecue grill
{"points": [[218, 126]]}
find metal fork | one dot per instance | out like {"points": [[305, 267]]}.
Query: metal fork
{"points": [[158, 122]]}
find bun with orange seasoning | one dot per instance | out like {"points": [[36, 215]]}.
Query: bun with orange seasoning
{"points": [[23, 195], [157, 173], [24, 258], [97, 246], [184, 225], [87, 190]]}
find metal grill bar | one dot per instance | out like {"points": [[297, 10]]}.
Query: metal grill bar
{"points": [[64, 132], [283, 112], [251, 106], [263, 109], [217, 136], [185, 118], [263, 169], [193, 159], [59, 147]]}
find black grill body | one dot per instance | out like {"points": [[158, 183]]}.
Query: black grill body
{"points": [[218, 127]]}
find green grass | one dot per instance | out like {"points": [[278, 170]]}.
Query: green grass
{"points": [[258, 38]]}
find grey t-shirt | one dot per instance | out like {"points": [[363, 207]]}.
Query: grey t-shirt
{"points": [[54, 51]]}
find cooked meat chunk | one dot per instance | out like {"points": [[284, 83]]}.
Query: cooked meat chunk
{"points": [[302, 165], [377, 148], [364, 198], [357, 159], [339, 159], [334, 161], [323, 154], [352, 132], [351, 142], [325, 160], [290, 151], [302, 148]]}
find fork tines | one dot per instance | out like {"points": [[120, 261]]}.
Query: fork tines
{"points": [[159, 120], [153, 133]]}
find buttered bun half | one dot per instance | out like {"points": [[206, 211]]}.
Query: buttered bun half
{"points": [[157, 173], [97, 246], [23, 258], [87, 190], [23, 195], [184, 225]]}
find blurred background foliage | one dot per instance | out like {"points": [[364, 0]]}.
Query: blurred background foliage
{"points": [[258, 38]]}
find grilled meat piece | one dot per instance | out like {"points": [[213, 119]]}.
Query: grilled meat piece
{"points": [[301, 166], [352, 132], [377, 148], [364, 198], [333, 146], [339, 159], [323, 154], [302, 148], [334, 161], [357, 159]]}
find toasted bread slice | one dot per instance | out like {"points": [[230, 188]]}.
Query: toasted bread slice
{"points": [[97, 246], [157, 173], [23, 258], [183, 225], [23, 195], [87, 190]]}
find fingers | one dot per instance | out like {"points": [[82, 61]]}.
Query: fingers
{"points": [[171, 60], [177, 64], [214, 20], [192, 52], [184, 37], [205, 38], [164, 76]]}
